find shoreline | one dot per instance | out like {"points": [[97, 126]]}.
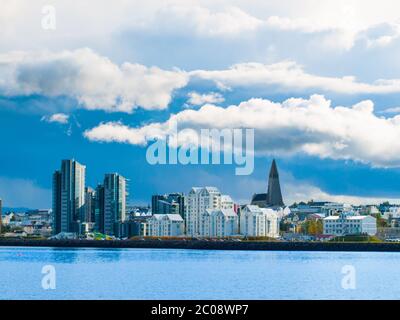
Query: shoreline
{"points": [[208, 245]]}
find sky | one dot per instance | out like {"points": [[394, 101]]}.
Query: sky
{"points": [[98, 81]]}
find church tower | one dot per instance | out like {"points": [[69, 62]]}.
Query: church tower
{"points": [[274, 195]]}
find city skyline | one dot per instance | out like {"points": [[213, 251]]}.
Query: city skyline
{"points": [[272, 183], [199, 151], [103, 102]]}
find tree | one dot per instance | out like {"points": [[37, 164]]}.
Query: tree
{"points": [[380, 222], [313, 227]]}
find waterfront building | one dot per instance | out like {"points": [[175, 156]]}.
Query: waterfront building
{"points": [[349, 225], [68, 196], [137, 227], [90, 206], [324, 208], [165, 225], [273, 197], [56, 220], [99, 208], [198, 201], [227, 202], [219, 223], [38, 216], [259, 222], [173, 203], [37, 222], [114, 204], [155, 209]]}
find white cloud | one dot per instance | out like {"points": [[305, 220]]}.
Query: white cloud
{"points": [[290, 76], [337, 23], [197, 99], [97, 83], [337, 30], [391, 110], [94, 81], [230, 21], [117, 132], [57, 117], [381, 35], [295, 126]]}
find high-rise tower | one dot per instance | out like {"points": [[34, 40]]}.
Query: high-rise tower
{"points": [[114, 203], [68, 197]]}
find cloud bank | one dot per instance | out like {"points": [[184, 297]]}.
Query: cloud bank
{"points": [[93, 80], [290, 76], [96, 83], [296, 126]]}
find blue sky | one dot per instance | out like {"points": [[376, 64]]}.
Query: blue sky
{"points": [[319, 83]]}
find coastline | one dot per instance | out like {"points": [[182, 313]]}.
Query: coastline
{"points": [[207, 245]]}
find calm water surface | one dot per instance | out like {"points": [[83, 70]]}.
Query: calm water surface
{"points": [[196, 274]]}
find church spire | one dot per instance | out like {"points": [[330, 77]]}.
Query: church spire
{"points": [[274, 196]]}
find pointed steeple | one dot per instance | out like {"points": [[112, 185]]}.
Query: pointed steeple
{"points": [[274, 196], [273, 173]]}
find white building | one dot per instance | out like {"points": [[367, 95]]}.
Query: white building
{"points": [[165, 225], [218, 223], [333, 208], [349, 225], [198, 201], [393, 212], [259, 222], [6, 219], [227, 202]]}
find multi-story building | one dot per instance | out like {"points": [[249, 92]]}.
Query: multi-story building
{"points": [[114, 204], [56, 219], [99, 208], [198, 201], [90, 205], [349, 225], [137, 226], [38, 216], [68, 196], [219, 223], [165, 225], [227, 202], [1, 214], [334, 208], [173, 203], [259, 222]]}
